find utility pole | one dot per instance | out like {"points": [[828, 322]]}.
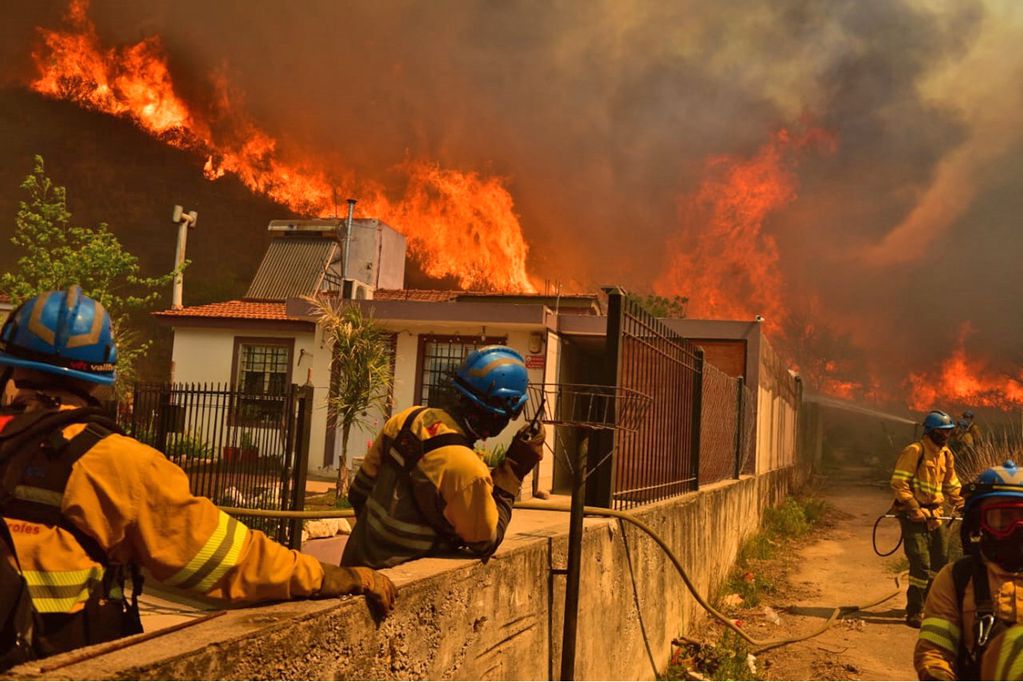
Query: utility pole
{"points": [[184, 222]]}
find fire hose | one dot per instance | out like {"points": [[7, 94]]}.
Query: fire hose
{"points": [[889, 515], [760, 645]]}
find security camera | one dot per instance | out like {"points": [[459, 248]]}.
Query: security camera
{"points": [[758, 318], [178, 211]]}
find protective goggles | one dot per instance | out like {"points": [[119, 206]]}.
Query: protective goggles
{"points": [[1000, 520]]}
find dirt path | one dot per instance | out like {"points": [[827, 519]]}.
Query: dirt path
{"points": [[839, 568]]}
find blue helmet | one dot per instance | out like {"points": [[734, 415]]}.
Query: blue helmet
{"points": [[1002, 481], [938, 420], [65, 333], [494, 379]]}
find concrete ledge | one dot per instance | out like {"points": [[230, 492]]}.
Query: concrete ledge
{"points": [[464, 619]]}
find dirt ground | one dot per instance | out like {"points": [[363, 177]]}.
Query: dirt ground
{"points": [[836, 566]]}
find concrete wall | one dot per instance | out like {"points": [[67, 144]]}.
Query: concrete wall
{"points": [[463, 619]]}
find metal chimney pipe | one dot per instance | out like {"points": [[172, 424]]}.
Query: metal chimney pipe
{"points": [[348, 239], [184, 221]]}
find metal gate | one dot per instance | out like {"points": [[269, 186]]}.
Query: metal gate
{"points": [[238, 448], [661, 458]]}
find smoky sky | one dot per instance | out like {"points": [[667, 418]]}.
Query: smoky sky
{"points": [[601, 117]]}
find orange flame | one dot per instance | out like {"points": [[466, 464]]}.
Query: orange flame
{"points": [[964, 381], [458, 224], [721, 257]]}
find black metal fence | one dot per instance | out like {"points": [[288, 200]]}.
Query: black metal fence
{"points": [[727, 427], [660, 459], [239, 449]]}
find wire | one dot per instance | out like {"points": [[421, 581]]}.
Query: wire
{"points": [[761, 645]]}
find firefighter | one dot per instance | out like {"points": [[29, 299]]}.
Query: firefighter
{"points": [[422, 489], [923, 481], [974, 610], [84, 505], [972, 434]]}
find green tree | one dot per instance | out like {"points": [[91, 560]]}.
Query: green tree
{"points": [[57, 254], [361, 376]]}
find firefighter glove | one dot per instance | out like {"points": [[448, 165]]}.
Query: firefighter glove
{"points": [[917, 515], [340, 580], [526, 450]]}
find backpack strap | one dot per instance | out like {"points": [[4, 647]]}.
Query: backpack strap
{"points": [[985, 622], [405, 452], [969, 569]]}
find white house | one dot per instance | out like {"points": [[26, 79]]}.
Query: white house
{"points": [[269, 339]]}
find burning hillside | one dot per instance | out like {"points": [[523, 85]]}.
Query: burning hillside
{"points": [[459, 224], [511, 150]]}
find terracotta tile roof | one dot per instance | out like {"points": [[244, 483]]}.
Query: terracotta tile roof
{"points": [[234, 310]]}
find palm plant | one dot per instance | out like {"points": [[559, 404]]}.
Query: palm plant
{"points": [[361, 376]]}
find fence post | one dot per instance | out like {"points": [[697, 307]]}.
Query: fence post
{"points": [[161, 420], [697, 416], [600, 482], [740, 425], [303, 426]]}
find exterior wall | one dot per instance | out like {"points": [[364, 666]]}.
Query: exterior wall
{"points": [[777, 412], [464, 619], [204, 355], [729, 356]]}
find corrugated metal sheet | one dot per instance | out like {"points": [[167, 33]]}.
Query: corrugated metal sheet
{"points": [[291, 267]]}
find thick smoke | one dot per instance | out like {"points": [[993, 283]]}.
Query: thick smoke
{"points": [[601, 117]]}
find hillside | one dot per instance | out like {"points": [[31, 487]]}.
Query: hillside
{"points": [[116, 174]]}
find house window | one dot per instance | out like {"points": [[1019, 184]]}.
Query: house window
{"points": [[261, 367], [439, 357]]}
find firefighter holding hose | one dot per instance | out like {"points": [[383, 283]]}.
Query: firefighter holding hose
{"points": [[924, 481]]}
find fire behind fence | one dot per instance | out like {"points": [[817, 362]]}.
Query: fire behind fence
{"points": [[238, 448], [700, 426]]}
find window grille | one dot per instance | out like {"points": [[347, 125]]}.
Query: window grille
{"points": [[439, 357]]}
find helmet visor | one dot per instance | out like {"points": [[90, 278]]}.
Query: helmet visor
{"points": [[1000, 520]]}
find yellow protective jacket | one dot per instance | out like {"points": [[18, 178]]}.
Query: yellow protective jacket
{"points": [[137, 507], [946, 628], [1003, 658], [925, 476], [445, 500]]}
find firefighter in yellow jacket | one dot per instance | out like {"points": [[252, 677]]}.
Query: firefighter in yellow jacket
{"points": [[422, 489], [973, 625], [84, 505], [925, 480]]}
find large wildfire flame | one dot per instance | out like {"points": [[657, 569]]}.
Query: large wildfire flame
{"points": [[964, 381], [459, 224], [462, 224], [721, 257]]}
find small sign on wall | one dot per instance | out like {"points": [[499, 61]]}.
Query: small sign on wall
{"points": [[535, 362]]}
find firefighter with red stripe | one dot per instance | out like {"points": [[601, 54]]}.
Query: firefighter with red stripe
{"points": [[973, 620], [85, 506], [422, 490]]}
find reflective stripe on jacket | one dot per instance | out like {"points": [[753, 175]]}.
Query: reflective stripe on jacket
{"points": [[1003, 658], [925, 476], [448, 499], [138, 508], [945, 628]]}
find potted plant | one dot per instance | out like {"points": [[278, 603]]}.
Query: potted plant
{"points": [[249, 450]]}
